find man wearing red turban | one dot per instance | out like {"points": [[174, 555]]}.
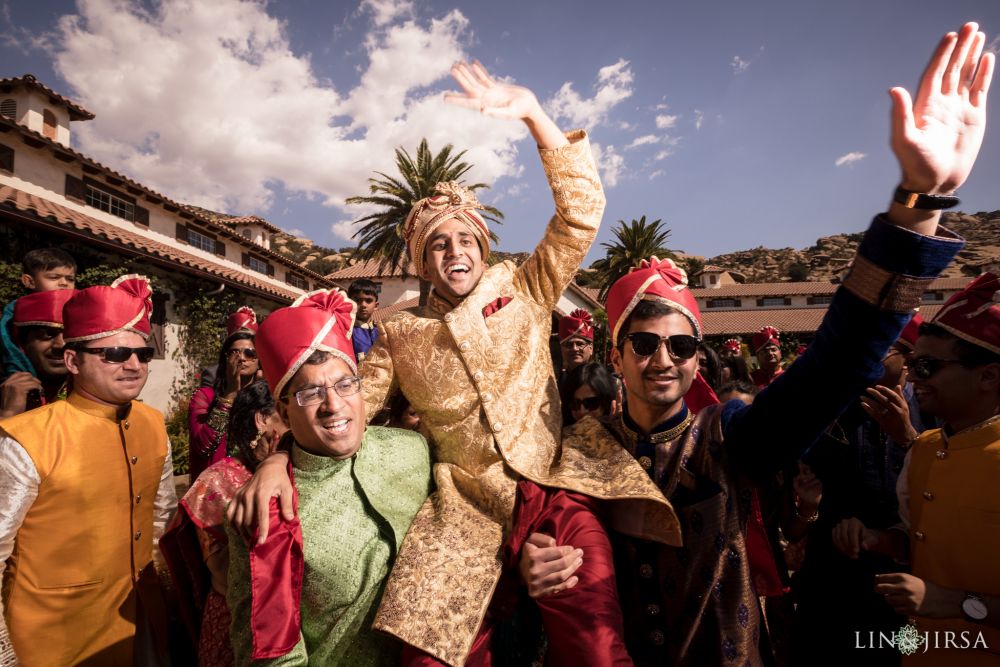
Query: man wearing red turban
{"points": [[947, 492], [88, 486], [576, 339], [731, 348], [766, 346], [38, 331], [696, 605]]}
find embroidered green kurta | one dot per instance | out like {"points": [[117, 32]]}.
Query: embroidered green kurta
{"points": [[354, 514]]}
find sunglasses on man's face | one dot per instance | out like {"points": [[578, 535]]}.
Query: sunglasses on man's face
{"points": [[247, 352], [924, 368], [119, 355], [589, 404], [679, 346]]}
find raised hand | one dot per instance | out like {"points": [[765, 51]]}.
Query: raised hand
{"points": [[937, 136], [889, 408], [483, 93]]}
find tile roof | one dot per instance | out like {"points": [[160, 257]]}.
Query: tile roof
{"points": [[40, 210], [796, 288], [384, 313], [68, 154], [29, 80], [791, 320], [370, 269]]}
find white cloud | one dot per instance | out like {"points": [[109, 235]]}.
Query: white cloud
{"points": [[387, 11], [219, 109], [656, 174], [666, 121], [609, 162], [296, 232], [614, 84], [994, 46], [644, 140], [699, 119], [664, 154], [849, 159], [739, 65]]}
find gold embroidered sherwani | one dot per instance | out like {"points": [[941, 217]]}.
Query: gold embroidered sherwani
{"points": [[486, 391]]}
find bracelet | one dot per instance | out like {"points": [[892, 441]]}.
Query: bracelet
{"points": [[923, 201], [813, 518]]}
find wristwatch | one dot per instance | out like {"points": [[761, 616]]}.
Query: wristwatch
{"points": [[924, 201], [974, 608]]}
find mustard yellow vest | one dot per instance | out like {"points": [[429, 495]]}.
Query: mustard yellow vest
{"points": [[68, 589], [955, 535]]}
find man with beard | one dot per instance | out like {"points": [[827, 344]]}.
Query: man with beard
{"points": [[88, 485], [38, 331], [576, 339]]}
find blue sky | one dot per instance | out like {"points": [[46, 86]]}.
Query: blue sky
{"points": [[738, 123]]}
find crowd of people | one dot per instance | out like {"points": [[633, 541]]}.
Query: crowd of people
{"points": [[438, 488]]}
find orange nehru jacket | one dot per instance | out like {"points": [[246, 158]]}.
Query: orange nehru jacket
{"points": [[69, 590]]}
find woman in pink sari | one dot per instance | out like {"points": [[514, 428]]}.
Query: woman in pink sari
{"points": [[195, 543]]}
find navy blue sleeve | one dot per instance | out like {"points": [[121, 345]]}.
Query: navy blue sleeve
{"points": [[844, 359]]}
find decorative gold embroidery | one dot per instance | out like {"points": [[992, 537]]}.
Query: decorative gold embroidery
{"points": [[883, 289]]}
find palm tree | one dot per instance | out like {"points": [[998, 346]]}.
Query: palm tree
{"points": [[634, 242], [381, 236]]}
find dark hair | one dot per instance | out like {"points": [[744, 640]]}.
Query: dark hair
{"points": [[738, 371], [398, 404], [594, 375], [970, 354], [713, 366], [223, 371], [46, 259], [362, 286], [242, 429], [739, 387], [644, 310]]}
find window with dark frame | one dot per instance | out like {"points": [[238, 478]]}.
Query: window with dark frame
{"points": [[109, 203], [295, 280], [723, 303], [8, 109], [199, 240], [819, 299], [257, 265], [770, 301]]}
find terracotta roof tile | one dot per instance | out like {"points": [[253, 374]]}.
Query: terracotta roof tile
{"points": [[30, 81], [45, 210], [370, 269], [798, 288], [791, 320], [385, 313], [6, 124]]}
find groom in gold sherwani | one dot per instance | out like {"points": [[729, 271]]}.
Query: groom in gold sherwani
{"points": [[475, 365]]}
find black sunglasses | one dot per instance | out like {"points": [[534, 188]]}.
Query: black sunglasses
{"points": [[679, 346], [119, 355], [589, 403], [924, 368], [247, 352]]}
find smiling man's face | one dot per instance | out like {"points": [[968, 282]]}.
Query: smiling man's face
{"points": [[453, 260], [335, 426], [659, 380]]}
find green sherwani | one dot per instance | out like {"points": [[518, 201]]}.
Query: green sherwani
{"points": [[354, 514]]}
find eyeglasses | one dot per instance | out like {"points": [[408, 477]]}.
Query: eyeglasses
{"points": [[247, 352], [590, 403], [576, 344], [679, 346], [314, 395], [924, 368], [119, 355]]}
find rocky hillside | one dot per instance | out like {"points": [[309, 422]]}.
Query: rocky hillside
{"points": [[830, 255]]}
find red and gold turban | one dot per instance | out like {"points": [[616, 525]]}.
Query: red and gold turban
{"points": [[911, 331], [41, 309], [974, 313], [243, 320], [578, 323], [732, 345], [320, 320], [764, 337], [653, 280], [452, 200], [99, 312]]}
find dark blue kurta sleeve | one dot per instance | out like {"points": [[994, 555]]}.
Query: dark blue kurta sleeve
{"points": [[892, 268]]}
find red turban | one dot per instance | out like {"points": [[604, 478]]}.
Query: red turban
{"points": [[578, 323], [652, 280], [41, 309], [452, 200], [320, 320], [243, 320], [733, 345], [974, 313], [99, 312], [908, 338], [764, 337]]}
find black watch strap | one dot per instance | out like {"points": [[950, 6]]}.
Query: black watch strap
{"points": [[924, 201]]}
